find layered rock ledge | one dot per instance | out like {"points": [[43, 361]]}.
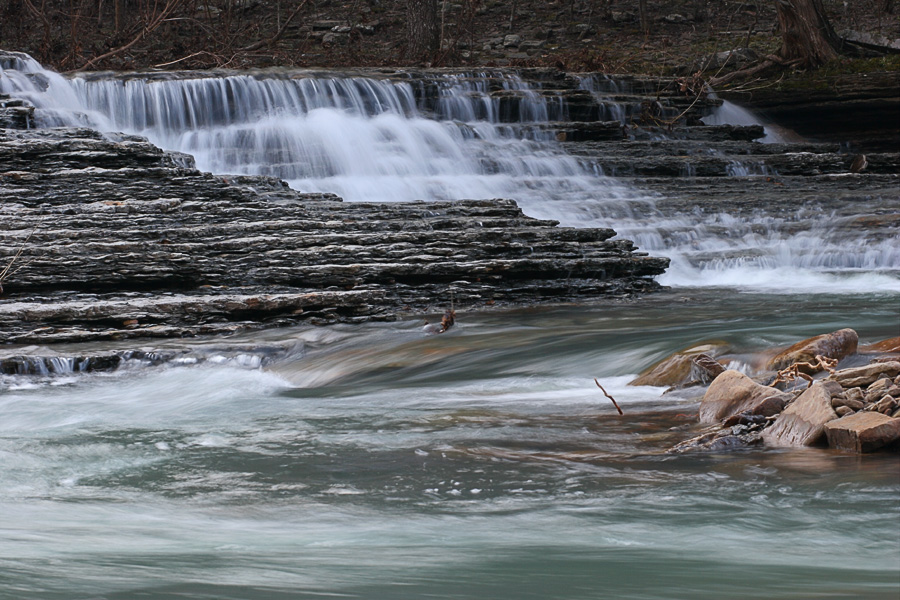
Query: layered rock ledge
{"points": [[110, 237]]}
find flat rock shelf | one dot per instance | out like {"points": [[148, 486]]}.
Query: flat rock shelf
{"points": [[112, 238]]}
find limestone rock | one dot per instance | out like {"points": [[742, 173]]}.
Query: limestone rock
{"points": [[866, 375], [121, 231], [732, 393], [863, 432], [837, 345], [803, 422]]}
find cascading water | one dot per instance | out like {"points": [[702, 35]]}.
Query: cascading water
{"points": [[375, 138], [730, 113], [372, 461]]}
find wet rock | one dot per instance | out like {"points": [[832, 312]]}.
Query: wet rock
{"points": [[861, 108], [863, 432], [803, 422], [705, 368], [733, 393], [116, 226], [837, 345], [888, 345], [719, 439], [866, 375], [677, 368]]}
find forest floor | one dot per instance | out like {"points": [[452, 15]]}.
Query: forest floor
{"points": [[573, 35]]}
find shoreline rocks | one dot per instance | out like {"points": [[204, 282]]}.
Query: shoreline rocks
{"points": [[856, 409]]}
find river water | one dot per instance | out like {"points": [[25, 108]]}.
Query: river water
{"points": [[374, 462]]}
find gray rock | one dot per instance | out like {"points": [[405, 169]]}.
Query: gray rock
{"points": [[126, 242]]}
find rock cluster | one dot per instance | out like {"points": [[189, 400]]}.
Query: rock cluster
{"points": [[854, 409]]}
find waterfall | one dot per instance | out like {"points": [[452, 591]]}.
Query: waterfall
{"points": [[389, 137], [730, 113]]}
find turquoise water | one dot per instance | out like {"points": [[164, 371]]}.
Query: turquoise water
{"points": [[375, 462]]}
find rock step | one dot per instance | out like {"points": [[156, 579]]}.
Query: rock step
{"points": [[83, 214], [678, 159]]}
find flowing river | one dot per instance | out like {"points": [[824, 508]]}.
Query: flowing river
{"points": [[374, 462]]}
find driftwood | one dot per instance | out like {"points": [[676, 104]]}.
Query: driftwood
{"points": [[791, 373], [605, 393]]}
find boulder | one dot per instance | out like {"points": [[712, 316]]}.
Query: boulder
{"points": [[862, 432], [837, 345], [678, 367], [866, 375], [732, 393], [803, 422], [888, 345]]}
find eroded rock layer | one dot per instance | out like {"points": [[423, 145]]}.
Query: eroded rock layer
{"points": [[111, 237]]}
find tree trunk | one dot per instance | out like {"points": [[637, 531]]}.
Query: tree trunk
{"points": [[421, 30], [645, 18], [806, 34]]}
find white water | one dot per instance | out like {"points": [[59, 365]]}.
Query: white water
{"points": [[366, 139], [730, 113]]}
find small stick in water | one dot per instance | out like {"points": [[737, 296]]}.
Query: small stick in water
{"points": [[608, 396]]}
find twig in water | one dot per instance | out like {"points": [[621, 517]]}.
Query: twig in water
{"points": [[605, 393]]}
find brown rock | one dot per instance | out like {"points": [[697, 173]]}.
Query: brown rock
{"points": [[705, 368], [843, 411], [676, 369], [732, 393], [886, 405], [837, 345], [877, 389], [854, 394], [837, 401], [862, 432], [888, 345], [802, 423], [863, 376]]}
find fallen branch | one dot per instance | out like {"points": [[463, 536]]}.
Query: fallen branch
{"points": [[793, 372], [608, 396], [178, 60], [769, 62]]}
